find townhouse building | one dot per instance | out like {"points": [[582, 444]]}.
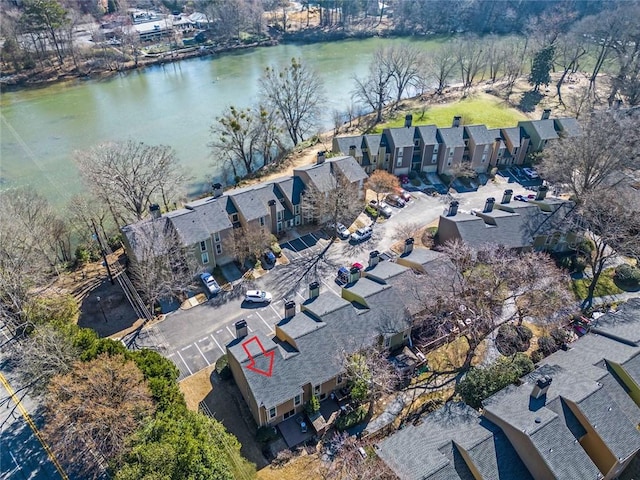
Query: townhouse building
{"points": [[428, 148], [206, 226], [576, 416]]}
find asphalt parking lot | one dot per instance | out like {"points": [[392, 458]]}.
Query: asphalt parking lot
{"points": [[194, 339]]}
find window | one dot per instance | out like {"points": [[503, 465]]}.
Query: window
{"points": [[416, 142], [279, 227], [218, 249], [435, 149], [205, 258], [280, 215], [234, 218], [272, 413], [450, 152], [339, 379], [290, 413], [216, 237], [262, 221], [297, 400], [297, 219], [387, 342], [323, 396], [316, 390], [434, 158], [296, 209], [203, 246], [484, 158], [399, 157]]}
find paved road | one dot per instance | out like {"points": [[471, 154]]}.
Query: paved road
{"points": [[22, 456], [194, 339]]}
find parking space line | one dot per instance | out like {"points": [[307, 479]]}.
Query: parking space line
{"points": [[185, 348], [300, 295], [203, 339], [292, 250], [263, 321], [214, 339], [276, 312], [185, 363], [205, 358], [229, 330], [303, 242], [249, 327]]}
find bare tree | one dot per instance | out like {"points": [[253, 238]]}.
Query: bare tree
{"points": [[91, 411], [163, 266], [246, 139], [569, 50], [129, 176], [347, 463], [375, 89], [404, 64], [370, 375], [336, 202], [516, 52], [381, 182], [471, 58], [296, 93], [439, 66], [250, 241], [606, 146], [610, 226]]}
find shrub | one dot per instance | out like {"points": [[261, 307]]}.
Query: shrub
{"points": [[559, 336], [275, 248], [537, 356], [372, 212], [82, 255], [115, 241], [482, 382], [222, 368], [313, 405], [513, 338], [627, 275], [351, 419], [547, 345], [266, 433]]}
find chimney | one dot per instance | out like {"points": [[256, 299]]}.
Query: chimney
{"points": [[408, 246], [289, 308], [542, 192], [352, 150], [408, 120], [354, 274], [456, 121], [546, 114], [506, 196], [541, 387], [488, 205], [154, 210], [241, 328], [453, 209], [320, 158], [217, 190], [374, 258], [314, 290]]}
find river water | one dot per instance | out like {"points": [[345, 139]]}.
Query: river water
{"points": [[174, 104]]}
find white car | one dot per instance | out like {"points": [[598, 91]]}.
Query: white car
{"points": [[362, 234], [339, 229], [257, 296], [210, 283], [530, 172]]}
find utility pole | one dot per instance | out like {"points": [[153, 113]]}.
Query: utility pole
{"points": [[103, 252]]}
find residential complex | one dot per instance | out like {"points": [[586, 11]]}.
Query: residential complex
{"points": [[206, 226], [428, 148], [575, 416]]}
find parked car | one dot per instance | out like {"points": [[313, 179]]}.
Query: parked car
{"points": [[338, 229], [269, 257], [362, 234], [406, 196], [257, 296], [210, 283], [382, 208], [521, 198], [404, 179], [530, 172], [394, 200]]}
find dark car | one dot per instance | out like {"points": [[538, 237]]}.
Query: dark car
{"points": [[269, 257], [394, 200]]}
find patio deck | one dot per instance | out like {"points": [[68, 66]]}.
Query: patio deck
{"points": [[292, 433]]}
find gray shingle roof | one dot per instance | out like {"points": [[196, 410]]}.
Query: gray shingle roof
{"points": [[141, 236], [189, 225], [514, 134], [621, 324], [349, 168], [479, 134], [432, 450], [544, 128], [291, 188], [569, 126], [400, 137], [452, 136], [344, 144], [252, 202], [372, 142], [212, 213], [632, 367], [428, 134]]}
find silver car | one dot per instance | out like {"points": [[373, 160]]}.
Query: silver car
{"points": [[257, 296]]}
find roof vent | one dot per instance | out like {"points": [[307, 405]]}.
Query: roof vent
{"points": [[538, 420]]}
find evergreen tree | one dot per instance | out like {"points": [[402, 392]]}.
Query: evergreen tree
{"points": [[542, 63]]}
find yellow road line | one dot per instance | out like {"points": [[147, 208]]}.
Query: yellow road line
{"points": [[36, 432]]}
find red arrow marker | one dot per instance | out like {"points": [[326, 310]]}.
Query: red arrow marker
{"points": [[252, 362]]}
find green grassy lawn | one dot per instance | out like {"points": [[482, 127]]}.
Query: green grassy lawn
{"points": [[605, 286], [479, 109]]}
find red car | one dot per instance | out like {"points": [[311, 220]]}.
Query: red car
{"points": [[406, 196], [404, 179]]}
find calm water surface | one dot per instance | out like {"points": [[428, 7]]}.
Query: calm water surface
{"points": [[174, 105]]}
